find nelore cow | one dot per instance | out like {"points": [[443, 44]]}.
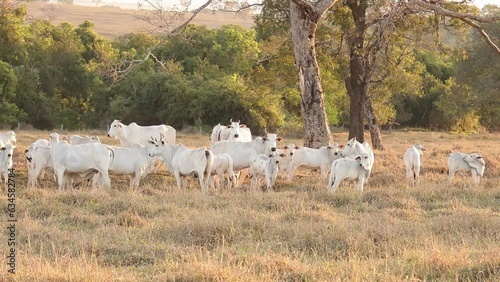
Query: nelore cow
{"points": [[84, 160], [466, 162], [351, 169], [6, 152], [134, 161], [412, 161], [222, 166], [321, 158], [233, 132], [77, 139], [38, 160], [8, 137], [183, 161], [353, 148], [265, 166], [135, 134], [286, 160], [241, 152]]}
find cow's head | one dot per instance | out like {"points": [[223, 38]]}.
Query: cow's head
{"points": [[234, 130], [115, 129], [420, 148], [289, 150], [271, 140], [8, 151], [157, 146], [54, 137], [350, 147], [364, 161]]}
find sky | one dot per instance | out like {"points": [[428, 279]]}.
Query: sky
{"points": [[132, 4]]}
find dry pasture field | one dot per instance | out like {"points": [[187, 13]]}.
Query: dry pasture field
{"points": [[111, 22], [299, 232]]}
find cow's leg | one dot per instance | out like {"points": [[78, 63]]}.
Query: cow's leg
{"points": [[417, 174], [450, 176], [243, 173], [335, 184], [474, 176], [177, 176], [268, 183], [202, 183], [60, 178], [361, 180]]}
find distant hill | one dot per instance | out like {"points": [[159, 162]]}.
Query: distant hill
{"points": [[111, 22]]}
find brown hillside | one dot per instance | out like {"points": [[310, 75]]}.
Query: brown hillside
{"points": [[111, 22]]}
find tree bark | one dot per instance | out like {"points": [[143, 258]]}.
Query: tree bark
{"points": [[373, 125], [304, 21]]}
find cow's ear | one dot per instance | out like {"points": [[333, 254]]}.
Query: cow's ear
{"points": [[329, 147], [297, 147], [151, 142], [479, 157], [358, 158], [341, 146], [3, 149], [279, 139], [243, 125], [26, 150], [286, 147], [282, 155]]}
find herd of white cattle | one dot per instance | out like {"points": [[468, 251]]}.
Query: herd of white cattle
{"points": [[232, 155]]}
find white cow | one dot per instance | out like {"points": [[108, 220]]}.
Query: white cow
{"points": [[321, 158], [216, 133], [265, 166], [183, 161], [8, 137], [286, 162], [353, 148], [233, 132], [6, 152], [466, 162], [77, 139], [133, 133], [223, 164], [84, 160], [134, 161], [38, 156], [412, 159], [241, 152], [351, 169]]}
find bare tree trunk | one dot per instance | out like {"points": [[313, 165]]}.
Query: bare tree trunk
{"points": [[373, 126], [303, 27], [356, 112]]}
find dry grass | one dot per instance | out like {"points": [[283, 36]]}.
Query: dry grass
{"points": [[299, 232], [111, 22]]}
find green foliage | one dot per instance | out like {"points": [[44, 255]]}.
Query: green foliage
{"points": [[10, 112]]}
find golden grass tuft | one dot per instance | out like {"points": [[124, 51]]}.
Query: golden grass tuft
{"points": [[299, 232]]}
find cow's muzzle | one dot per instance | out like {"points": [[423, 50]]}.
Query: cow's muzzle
{"points": [[273, 149]]}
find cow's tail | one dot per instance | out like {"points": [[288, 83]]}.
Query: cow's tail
{"points": [[208, 168], [332, 174], [112, 156]]}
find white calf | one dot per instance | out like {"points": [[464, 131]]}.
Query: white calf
{"points": [[223, 164], [353, 149], [321, 158], [412, 160], [351, 169], [463, 162], [286, 161], [264, 166]]}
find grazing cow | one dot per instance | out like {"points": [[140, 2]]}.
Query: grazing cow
{"points": [[351, 169], [241, 152], [265, 166], [84, 160], [223, 164], [321, 158], [411, 160], [134, 161], [353, 148], [77, 139], [466, 162], [233, 132], [133, 133], [8, 137], [6, 152], [29, 151], [184, 161], [286, 162]]}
